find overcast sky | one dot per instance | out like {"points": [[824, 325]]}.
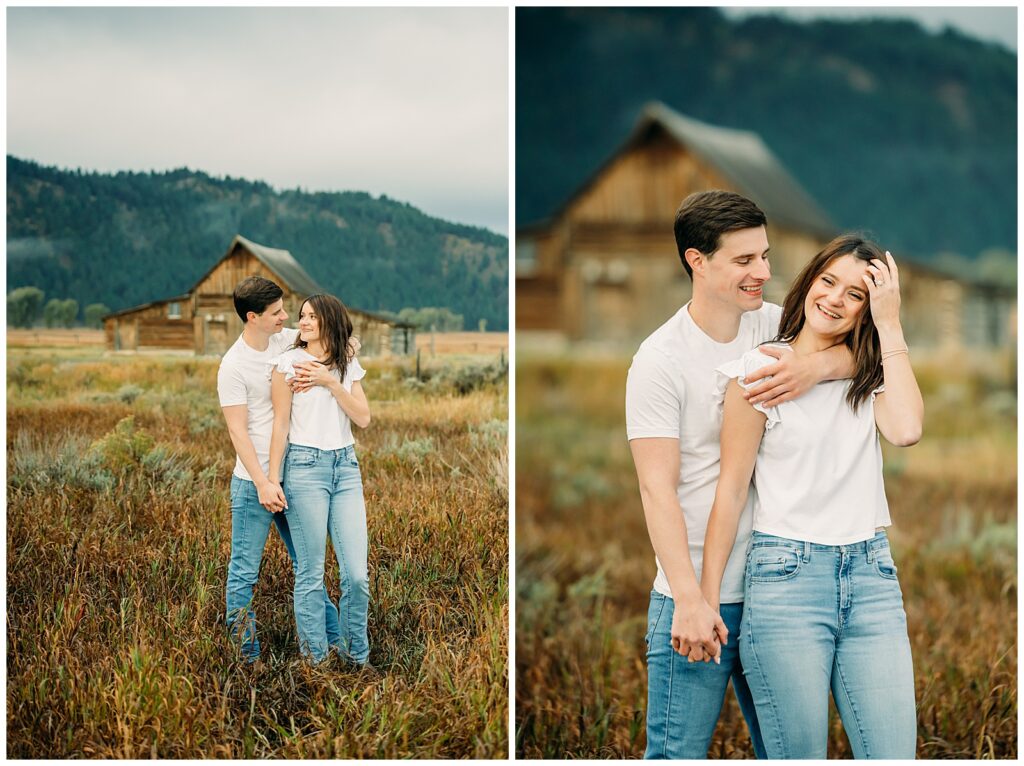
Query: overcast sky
{"points": [[989, 24], [408, 102]]}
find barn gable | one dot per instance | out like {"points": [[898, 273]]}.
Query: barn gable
{"points": [[735, 159]]}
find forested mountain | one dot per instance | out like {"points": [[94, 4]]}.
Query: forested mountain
{"points": [[130, 238], [909, 133]]}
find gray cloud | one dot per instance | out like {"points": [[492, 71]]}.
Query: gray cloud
{"points": [[411, 103]]}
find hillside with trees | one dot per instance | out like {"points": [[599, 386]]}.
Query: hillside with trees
{"points": [[910, 133], [126, 239]]}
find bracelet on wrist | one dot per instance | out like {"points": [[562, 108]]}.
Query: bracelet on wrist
{"points": [[895, 352]]}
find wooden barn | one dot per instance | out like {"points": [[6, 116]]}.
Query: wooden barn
{"points": [[604, 267], [204, 321]]}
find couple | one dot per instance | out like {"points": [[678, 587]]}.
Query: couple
{"points": [[291, 397], [787, 585]]}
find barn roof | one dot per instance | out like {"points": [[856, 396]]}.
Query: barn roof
{"points": [[280, 262], [745, 160], [739, 155], [151, 304]]}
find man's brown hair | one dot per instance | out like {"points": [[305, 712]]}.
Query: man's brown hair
{"points": [[704, 217], [255, 294]]}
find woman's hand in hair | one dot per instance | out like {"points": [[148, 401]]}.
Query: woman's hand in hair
{"points": [[899, 410], [883, 283]]}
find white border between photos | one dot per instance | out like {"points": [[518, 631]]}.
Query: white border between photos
{"points": [[511, 383]]}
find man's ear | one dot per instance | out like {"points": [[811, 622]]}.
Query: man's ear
{"points": [[696, 259]]}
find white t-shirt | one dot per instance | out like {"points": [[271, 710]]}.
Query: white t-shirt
{"points": [[317, 419], [670, 393], [819, 467], [242, 379]]}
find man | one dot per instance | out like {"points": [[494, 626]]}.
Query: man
{"points": [[243, 385], [673, 427]]}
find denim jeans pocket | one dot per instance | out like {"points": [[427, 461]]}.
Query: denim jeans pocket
{"points": [[239, 493], [884, 565], [654, 614], [772, 563], [299, 458]]}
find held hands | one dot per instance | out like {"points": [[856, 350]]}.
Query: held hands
{"points": [[698, 631], [883, 283], [789, 378], [271, 496]]}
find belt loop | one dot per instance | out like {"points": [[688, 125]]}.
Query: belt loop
{"points": [[871, 551], [807, 551]]}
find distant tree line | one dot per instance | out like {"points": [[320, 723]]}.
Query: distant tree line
{"points": [[25, 306], [131, 238], [430, 318]]}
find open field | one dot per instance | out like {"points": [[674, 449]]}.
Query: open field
{"points": [[584, 565], [59, 337], [118, 534], [488, 343]]}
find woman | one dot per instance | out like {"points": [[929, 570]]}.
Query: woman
{"points": [[322, 483], [822, 605]]}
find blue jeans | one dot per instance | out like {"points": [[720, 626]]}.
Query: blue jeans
{"points": [[250, 525], [684, 699], [325, 494], [820, 617]]}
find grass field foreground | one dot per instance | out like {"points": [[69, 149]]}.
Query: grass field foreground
{"points": [[584, 564], [118, 535]]}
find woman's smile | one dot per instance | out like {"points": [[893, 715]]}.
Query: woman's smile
{"points": [[826, 312]]}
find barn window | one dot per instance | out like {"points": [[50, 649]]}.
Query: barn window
{"points": [[591, 270], [174, 310], [617, 272], [526, 258]]}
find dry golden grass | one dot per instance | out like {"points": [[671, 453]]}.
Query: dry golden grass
{"points": [[117, 547], [584, 566]]}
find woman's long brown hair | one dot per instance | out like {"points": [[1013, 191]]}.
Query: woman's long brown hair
{"points": [[335, 330], [862, 340]]}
